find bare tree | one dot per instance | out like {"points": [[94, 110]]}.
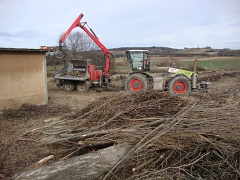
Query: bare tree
{"points": [[80, 46], [79, 42]]}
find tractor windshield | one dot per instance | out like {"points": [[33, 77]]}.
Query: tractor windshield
{"points": [[138, 60]]}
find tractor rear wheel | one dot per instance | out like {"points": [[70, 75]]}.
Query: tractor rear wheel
{"points": [[136, 82], [180, 85], [68, 86], [82, 86]]}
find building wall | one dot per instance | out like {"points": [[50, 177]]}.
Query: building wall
{"points": [[22, 79]]}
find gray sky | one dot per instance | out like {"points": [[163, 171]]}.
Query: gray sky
{"points": [[122, 23]]}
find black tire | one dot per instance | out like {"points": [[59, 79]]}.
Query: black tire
{"points": [[179, 85], [136, 82], [82, 86], [68, 86]]}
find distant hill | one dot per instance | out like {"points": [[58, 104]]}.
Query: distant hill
{"points": [[166, 51], [152, 50]]}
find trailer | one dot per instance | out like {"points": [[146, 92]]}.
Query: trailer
{"points": [[78, 75]]}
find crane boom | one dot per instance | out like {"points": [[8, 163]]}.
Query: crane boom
{"points": [[92, 35]]}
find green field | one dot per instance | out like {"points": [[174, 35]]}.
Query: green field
{"points": [[216, 64], [208, 63], [54, 68]]}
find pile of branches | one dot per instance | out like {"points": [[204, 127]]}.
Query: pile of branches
{"points": [[202, 143], [107, 116], [217, 76], [171, 137]]}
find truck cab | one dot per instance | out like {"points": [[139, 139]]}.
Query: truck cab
{"points": [[138, 60]]}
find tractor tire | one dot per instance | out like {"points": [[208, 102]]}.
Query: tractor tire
{"points": [[82, 86], [136, 82], [179, 85], [68, 86]]}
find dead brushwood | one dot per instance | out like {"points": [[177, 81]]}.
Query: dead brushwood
{"points": [[171, 137]]}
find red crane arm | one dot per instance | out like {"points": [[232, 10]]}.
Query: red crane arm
{"points": [[91, 34], [76, 23]]}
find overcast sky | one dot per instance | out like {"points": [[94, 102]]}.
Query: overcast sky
{"points": [[123, 23]]}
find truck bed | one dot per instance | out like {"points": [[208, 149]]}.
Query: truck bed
{"points": [[74, 70]]}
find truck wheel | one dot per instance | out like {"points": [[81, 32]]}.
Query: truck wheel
{"points": [[68, 86], [82, 86], [180, 85], [136, 82]]}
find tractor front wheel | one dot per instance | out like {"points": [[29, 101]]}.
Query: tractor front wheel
{"points": [[136, 82], [180, 85]]}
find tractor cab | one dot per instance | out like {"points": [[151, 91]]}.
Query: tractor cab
{"points": [[138, 60]]}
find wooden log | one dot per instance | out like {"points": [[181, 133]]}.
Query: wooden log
{"points": [[89, 166], [43, 161]]}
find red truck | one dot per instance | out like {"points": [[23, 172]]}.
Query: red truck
{"points": [[80, 74]]}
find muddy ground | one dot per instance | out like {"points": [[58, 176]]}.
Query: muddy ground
{"points": [[18, 153]]}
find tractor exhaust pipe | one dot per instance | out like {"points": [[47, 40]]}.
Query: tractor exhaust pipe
{"points": [[194, 76]]}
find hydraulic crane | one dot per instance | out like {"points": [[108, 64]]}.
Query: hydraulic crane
{"points": [[92, 35], [91, 76]]}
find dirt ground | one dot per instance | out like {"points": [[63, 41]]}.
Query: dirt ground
{"points": [[75, 100], [18, 153], [78, 100]]}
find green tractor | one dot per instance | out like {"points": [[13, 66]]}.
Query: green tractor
{"points": [[176, 81]]}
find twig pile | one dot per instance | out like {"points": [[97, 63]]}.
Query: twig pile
{"points": [[172, 137], [203, 143], [216, 77]]}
